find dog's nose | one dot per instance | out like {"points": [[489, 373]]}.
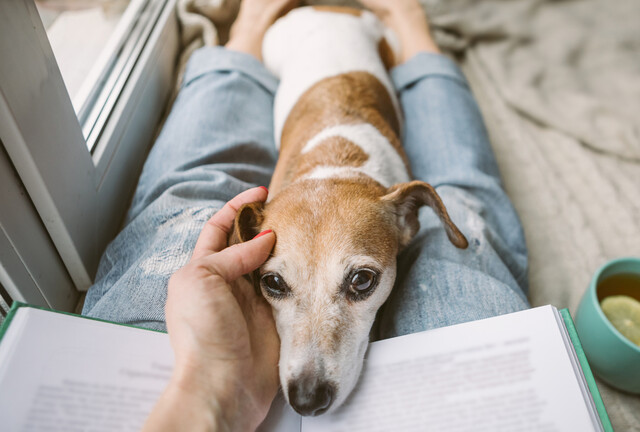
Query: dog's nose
{"points": [[310, 396]]}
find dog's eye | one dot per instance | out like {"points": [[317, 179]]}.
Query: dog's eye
{"points": [[362, 280], [361, 284], [274, 285]]}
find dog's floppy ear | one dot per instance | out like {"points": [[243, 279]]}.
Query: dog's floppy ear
{"points": [[408, 198], [247, 223], [245, 227]]}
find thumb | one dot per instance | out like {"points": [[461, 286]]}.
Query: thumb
{"points": [[242, 258]]}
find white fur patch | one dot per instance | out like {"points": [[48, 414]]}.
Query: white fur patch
{"points": [[325, 172], [383, 165], [306, 46]]}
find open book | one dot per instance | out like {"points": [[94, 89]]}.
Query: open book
{"points": [[524, 370]]}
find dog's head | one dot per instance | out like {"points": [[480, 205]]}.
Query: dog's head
{"points": [[333, 266]]}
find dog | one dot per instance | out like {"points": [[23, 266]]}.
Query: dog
{"points": [[342, 203]]}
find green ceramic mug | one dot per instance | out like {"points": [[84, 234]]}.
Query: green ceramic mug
{"points": [[614, 358]]}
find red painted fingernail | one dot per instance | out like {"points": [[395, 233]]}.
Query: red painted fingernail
{"points": [[265, 189], [263, 233]]}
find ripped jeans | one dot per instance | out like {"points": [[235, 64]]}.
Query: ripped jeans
{"points": [[218, 141]]}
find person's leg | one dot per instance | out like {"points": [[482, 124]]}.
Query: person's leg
{"points": [[217, 142], [448, 147]]}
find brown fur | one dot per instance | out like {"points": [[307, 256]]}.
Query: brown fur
{"points": [[386, 54], [338, 9], [334, 151], [409, 197], [355, 97], [326, 207]]}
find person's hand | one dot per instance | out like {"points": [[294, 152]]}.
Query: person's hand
{"points": [[409, 22], [223, 334], [253, 21]]}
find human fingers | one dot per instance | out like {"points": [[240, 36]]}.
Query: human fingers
{"points": [[213, 237], [260, 323], [263, 340], [265, 347], [241, 258]]}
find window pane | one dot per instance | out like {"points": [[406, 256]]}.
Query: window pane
{"points": [[79, 32], [97, 44]]}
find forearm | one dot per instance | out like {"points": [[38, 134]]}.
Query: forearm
{"points": [[210, 396], [196, 399]]}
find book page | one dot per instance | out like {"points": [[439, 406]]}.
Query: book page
{"points": [[68, 373], [507, 373], [501, 374], [281, 417]]}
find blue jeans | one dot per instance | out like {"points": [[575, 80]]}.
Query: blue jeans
{"points": [[218, 141]]}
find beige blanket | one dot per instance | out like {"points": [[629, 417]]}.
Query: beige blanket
{"points": [[559, 86]]}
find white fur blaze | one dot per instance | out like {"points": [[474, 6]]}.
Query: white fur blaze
{"points": [[383, 165]]}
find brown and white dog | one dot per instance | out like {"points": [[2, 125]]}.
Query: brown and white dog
{"points": [[342, 204]]}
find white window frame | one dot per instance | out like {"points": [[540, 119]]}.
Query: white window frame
{"points": [[80, 197], [30, 268]]}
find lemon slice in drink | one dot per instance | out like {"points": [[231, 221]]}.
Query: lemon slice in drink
{"points": [[624, 313]]}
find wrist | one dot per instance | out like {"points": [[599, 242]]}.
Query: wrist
{"points": [[180, 409], [220, 392], [208, 406], [202, 383]]}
